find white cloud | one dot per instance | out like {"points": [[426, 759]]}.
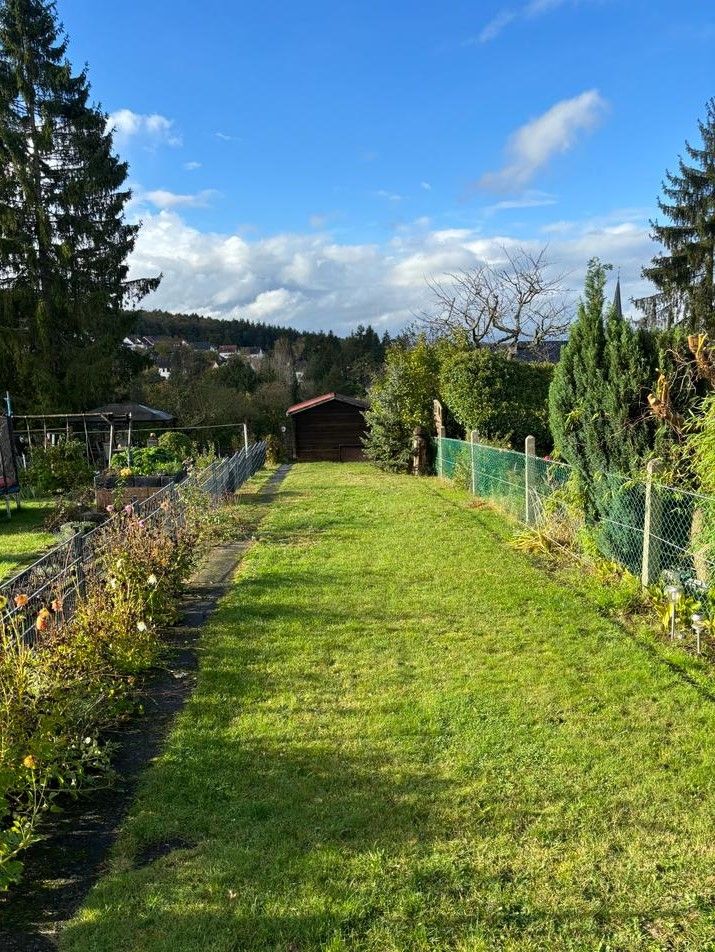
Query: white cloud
{"points": [[534, 8], [192, 166], [153, 129], [311, 282], [162, 198], [426, 186], [534, 144], [530, 199], [225, 137], [388, 196], [494, 27]]}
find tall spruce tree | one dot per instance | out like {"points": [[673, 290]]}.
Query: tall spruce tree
{"points": [[64, 241], [685, 272]]}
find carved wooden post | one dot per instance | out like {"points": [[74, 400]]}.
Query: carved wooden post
{"points": [[652, 534], [529, 480], [419, 451]]}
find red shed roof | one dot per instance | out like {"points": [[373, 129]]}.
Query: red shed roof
{"points": [[326, 398]]}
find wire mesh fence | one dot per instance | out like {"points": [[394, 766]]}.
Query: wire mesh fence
{"points": [[59, 576], [647, 527]]}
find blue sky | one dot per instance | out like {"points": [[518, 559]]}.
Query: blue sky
{"points": [[311, 163]]}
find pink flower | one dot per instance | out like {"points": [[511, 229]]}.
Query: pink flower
{"points": [[110, 509], [128, 509]]}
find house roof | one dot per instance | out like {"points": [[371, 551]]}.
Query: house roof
{"points": [[139, 412], [326, 398]]}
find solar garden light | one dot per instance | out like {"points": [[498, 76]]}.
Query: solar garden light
{"points": [[699, 623], [673, 593]]}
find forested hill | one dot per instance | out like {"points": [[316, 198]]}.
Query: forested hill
{"points": [[193, 327]]}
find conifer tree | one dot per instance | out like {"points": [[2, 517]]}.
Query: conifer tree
{"points": [[685, 272], [629, 370], [576, 392], [64, 241], [598, 395]]}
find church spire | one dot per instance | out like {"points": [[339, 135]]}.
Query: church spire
{"points": [[617, 306]]}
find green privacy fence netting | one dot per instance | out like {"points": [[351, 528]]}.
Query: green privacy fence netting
{"points": [[629, 519]]}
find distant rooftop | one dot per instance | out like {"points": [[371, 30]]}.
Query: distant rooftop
{"points": [[139, 412], [326, 398]]}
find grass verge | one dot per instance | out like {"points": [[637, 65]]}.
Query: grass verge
{"points": [[22, 538], [406, 735]]}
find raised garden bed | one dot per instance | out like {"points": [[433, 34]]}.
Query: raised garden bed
{"points": [[120, 490]]}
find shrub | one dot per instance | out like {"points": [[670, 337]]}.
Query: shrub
{"points": [[503, 400], [59, 469], [207, 457], [147, 461], [275, 450], [178, 445], [400, 401]]}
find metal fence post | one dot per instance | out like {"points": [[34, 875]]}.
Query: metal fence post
{"points": [[529, 480], [650, 565], [473, 438], [441, 435]]}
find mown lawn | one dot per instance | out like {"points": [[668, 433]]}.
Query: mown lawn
{"points": [[407, 736], [22, 538]]}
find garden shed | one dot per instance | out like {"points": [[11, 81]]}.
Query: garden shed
{"points": [[330, 427]]}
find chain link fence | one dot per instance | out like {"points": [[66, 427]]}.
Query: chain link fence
{"points": [[645, 526], [60, 574]]}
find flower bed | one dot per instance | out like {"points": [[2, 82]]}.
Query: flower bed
{"points": [[60, 694]]}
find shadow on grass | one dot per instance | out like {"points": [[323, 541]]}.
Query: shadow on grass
{"points": [[275, 825]]}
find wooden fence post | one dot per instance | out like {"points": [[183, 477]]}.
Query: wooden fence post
{"points": [[650, 565], [529, 480], [474, 439], [441, 435]]}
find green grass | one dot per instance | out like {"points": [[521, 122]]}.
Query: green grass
{"points": [[22, 538], [408, 736]]}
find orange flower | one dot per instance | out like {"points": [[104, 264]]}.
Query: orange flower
{"points": [[21, 600], [42, 622], [56, 605], [29, 762]]}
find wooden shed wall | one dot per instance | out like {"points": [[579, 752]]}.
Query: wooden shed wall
{"points": [[321, 431]]}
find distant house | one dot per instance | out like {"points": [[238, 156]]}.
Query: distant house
{"points": [[203, 346], [330, 427], [139, 344], [227, 351], [547, 352], [164, 367], [254, 356]]}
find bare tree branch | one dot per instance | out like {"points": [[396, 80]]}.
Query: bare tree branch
{"points": [[517, 302]]}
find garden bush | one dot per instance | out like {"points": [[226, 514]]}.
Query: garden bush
{"points": [[178, 445], [503, 400], [62, 468]]}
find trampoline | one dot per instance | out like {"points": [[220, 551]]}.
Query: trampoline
{"points": [[9, 482]]}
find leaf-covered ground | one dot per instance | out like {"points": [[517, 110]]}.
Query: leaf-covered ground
{"points": [[407, 736]]}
